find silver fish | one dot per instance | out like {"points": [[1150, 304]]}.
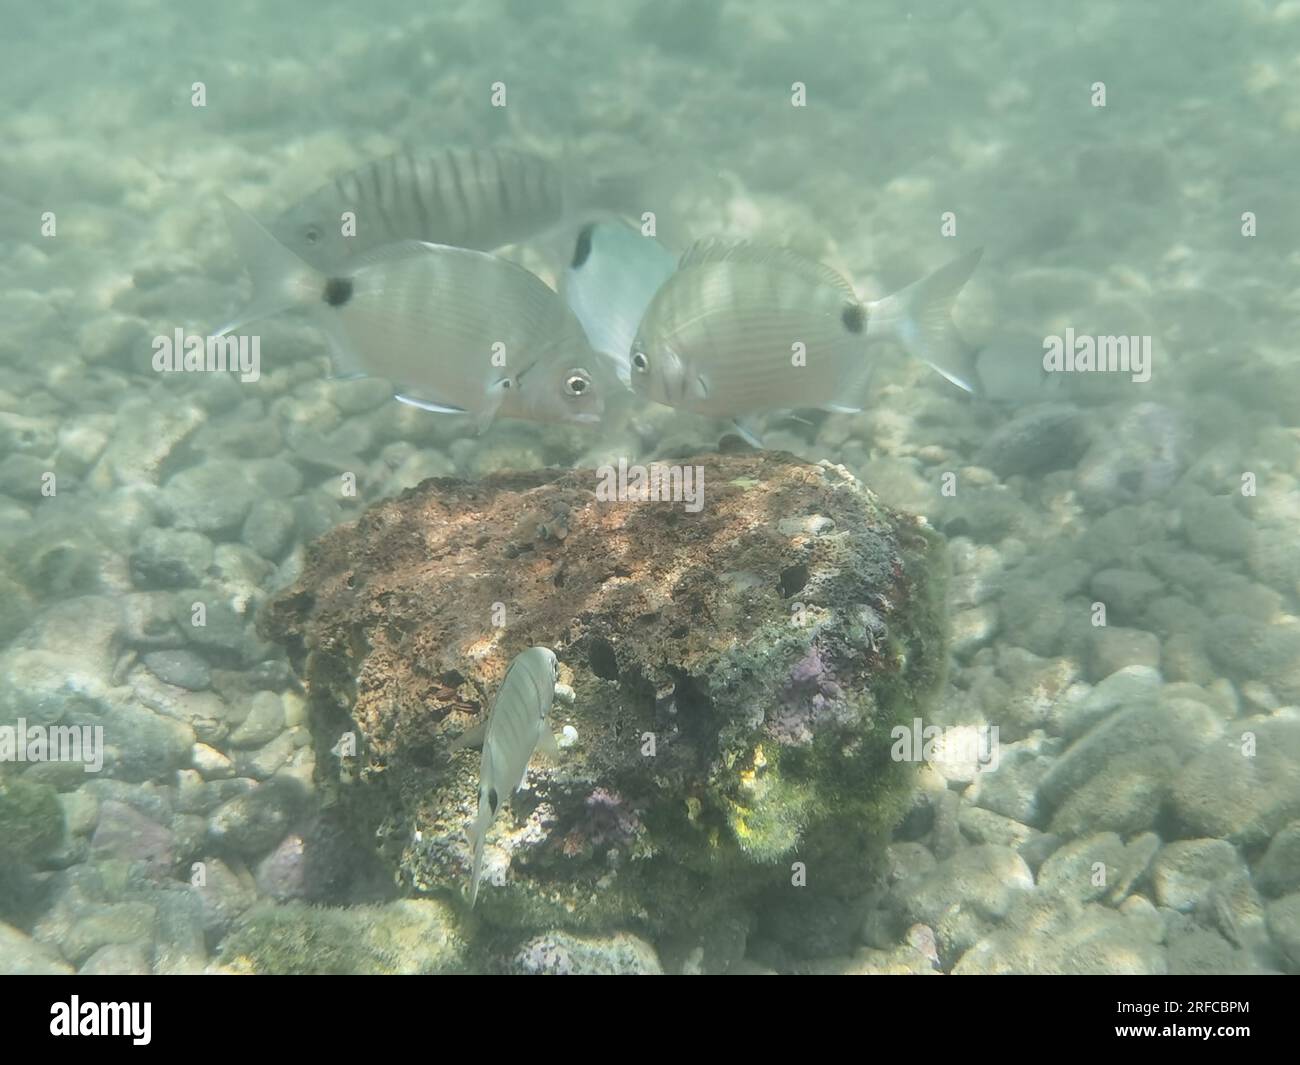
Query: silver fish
{"points": [[613, 275], [457, 331], [463, 197], [516, 726], [741, 329]]}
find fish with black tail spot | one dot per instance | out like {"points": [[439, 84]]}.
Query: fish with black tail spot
{"points": [[476, 198], [516, 726], [741, 329], [458, 331]]}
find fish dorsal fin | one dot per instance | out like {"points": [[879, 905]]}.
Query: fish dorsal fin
{"points": [[387, 253], [720, 249]]}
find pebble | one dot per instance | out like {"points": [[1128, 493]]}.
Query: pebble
{"points": [[1134, 685], [264, 722], [211, 498], [1184, 871], [141, 745], [1242, 787], [566, 954], [971, 629], [1049, 437], [408, 936], [144, 437], [1048, 933], [25, 434], [179, 946], [126, 834], [269, 528], [1140, 459], [1273, 559], [1134, 738], [211, 763], [223, 894], [1012, 789], [80, 812], [812, 924], [23, 476], [170, 558], [251, 824], [45, 688], [1250, 650], [262, 763], [127, 924], [984, 826], [282, 873], [1278, 871], [183, 669], [1215, 526], [963, 897], [205, 712], [1085, 869], [20, 955], [1284, 926], [1111, 649], [117, 959], [148, 620], [222, 632], [359, 395]]}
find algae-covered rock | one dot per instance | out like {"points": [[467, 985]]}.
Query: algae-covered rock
{"points": [[563, 954], [31, 820], [406, 937], [736, 668], [20, 955]]}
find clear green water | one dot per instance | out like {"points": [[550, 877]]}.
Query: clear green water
{"points": [[1128, 174]]}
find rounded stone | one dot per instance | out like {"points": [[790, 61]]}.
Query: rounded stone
{"points": [[184, 669], [269, 528]]}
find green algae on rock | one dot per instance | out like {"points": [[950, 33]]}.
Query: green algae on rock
{"points": [[413, 937], [737, 672]]}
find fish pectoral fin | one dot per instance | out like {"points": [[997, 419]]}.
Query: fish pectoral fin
{"points": [[837, 408], [496, 395], [424, 404], [470, 737], [546, 745], [747, 433]]}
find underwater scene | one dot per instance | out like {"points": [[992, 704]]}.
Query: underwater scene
{"points": [[650, 487]]}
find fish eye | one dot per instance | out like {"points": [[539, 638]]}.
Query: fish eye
{"points": [[639, 362], [577, 383]]}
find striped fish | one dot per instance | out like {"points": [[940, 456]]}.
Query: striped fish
{"points": [[741, 329], [464, 197], [516, 727], [613, 275], [458, 331]]}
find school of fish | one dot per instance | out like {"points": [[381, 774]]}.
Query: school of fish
{"points": [[394, 262]]}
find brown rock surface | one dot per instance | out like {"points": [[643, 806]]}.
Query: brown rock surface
{"points": [[736, 673]]}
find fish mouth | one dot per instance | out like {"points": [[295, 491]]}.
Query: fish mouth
{"points": [[586, 419]]}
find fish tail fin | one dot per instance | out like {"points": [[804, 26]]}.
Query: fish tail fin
{"points": [[478, 835], [919, 317], [281, 279]]}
